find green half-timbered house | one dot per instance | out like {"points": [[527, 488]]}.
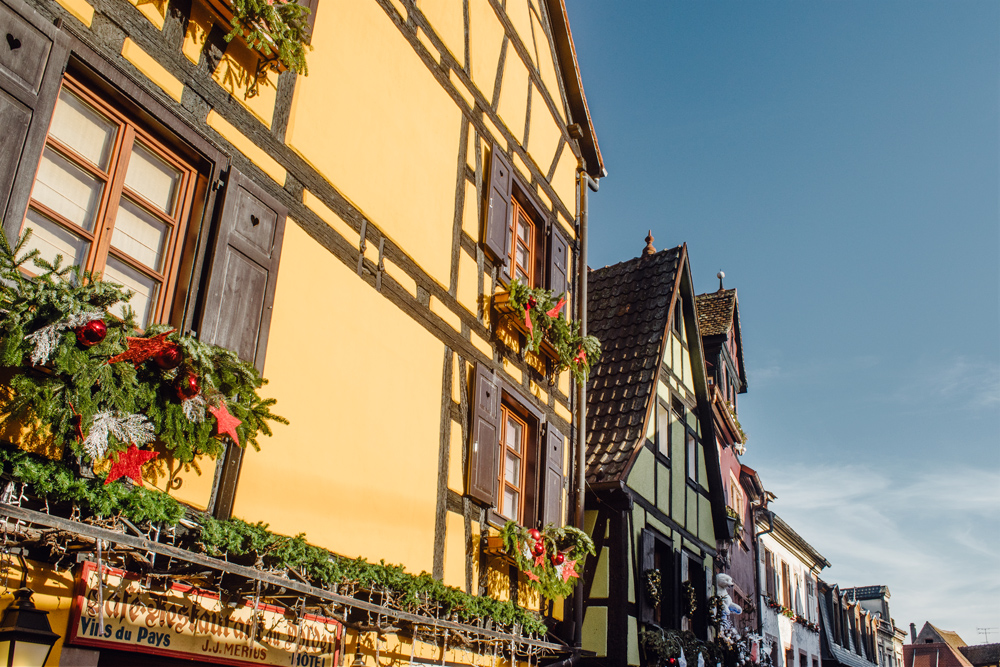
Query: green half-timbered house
{"points": [[655, 498]]}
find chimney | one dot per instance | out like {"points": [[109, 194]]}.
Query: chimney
{"points": [[913, 633]]}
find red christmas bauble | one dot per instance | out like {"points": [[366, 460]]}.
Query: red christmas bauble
{"points": [[558, 559], [534, 534], [91, 333], [539, 548], [169, 357], [188, 387]]}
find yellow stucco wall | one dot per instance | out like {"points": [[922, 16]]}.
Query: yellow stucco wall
{"points": [[361, 383], [390, 133], [53, 592]]}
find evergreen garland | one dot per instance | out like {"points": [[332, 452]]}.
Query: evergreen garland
{"points": [[254, 545], [75, 383], [55, 481], [573, 351], [272, 25], [559, 547], [257, 545]]}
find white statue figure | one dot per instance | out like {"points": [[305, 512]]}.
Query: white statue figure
{"points": [[722, 583]]}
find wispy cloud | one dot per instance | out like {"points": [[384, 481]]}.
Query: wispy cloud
{"points": [[959, 381], [931, 534]]}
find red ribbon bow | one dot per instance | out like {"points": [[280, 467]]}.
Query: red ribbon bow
{"points": [[555, 310], [581, 356], [527, 317]]}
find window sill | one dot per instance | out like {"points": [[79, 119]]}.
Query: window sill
{"points": [[493, 546], [513, 318], [223, 11]]}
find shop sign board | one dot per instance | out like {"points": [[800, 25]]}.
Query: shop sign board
{"points": [[186, 622]]}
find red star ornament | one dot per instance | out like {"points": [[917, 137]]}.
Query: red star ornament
{"points": [[532, 575], [540, 560], [129, 464], [141, 349], [569, 570], [226, 423]]}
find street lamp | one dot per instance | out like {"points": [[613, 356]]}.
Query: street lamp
{"points": [[26, 638]]}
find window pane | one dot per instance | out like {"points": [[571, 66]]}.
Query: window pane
{"points": [[145, 289], [152, 178], [513, 435], [51, 239], [83, 128], [68, 190], [662, 429], [512, 470], [140, 235], [511, 501], [523, 231], [522, 256]]}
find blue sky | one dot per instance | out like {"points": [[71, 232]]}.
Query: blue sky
{"points": [[839, 161]]}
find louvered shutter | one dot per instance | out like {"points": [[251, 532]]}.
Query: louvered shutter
{"points": [[552, 481], [240, 292], [769, 573], [558, 262], [496, 236], [483, 450], [33, 56]]}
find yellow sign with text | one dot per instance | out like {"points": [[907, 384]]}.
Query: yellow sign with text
{"points": [[113, 609]]}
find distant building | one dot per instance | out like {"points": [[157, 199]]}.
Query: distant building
{"points": [[934, 647], [982, 655], [847, 630], [789, 608], [890, 639]]}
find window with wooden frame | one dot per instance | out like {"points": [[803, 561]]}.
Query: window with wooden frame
{"points": [[110, 197], [514, 436], [786, 586], [663, 428], [658, 555], [522, 238], [515, 455], [691, 447], [735, 495]]}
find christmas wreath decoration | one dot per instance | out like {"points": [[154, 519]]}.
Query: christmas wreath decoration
{"points": [[543, 320], [104, 389], [550, 558], [654, 587], [689, 600]]}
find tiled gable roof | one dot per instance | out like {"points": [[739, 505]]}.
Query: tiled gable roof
{"points": [[715, 312], [627, 308], [981, 654]]}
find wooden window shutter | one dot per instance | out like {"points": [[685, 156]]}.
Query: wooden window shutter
{"points": [[496, 236], [32, 60], [239, 293], [647, 562], [558, 262], [670, 600], [312, 6], [483, 450], [552, 482], [769, 573], [697, 578]]}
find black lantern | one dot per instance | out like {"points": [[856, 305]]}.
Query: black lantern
{"points": [[26, 638]]}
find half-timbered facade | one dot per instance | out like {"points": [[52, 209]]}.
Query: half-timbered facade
{"points": [[655, 502], [789, 599], [719, 323], [346, 231]]}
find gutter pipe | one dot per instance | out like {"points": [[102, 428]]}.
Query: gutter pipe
{"points": [[586, 183], [756, 569]]}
